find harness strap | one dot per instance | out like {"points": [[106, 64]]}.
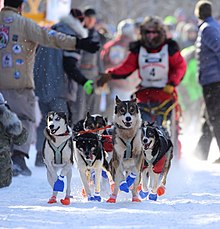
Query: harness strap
{"points": [[95, 130], [58, 151], [150, 162], [129, 147]]}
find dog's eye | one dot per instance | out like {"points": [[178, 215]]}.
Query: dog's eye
{"points": [[122, 110], [132, 110], [50, 119], [57, 118]]}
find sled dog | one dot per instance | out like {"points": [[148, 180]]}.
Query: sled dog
{"points": [[58, 154], [157, 149], [127, 155]]}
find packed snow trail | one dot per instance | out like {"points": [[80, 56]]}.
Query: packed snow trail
{"points": [[192, 200]]}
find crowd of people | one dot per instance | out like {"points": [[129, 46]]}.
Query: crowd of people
{"points": [[79, 65]]}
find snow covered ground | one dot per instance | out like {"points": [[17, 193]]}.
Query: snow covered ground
{"points": [[192, 200]]}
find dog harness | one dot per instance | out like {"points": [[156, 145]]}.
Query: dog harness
{"points": [[58, 151], [129, 147]]}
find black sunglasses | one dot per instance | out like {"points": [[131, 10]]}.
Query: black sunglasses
{"points": [[151, 31]]}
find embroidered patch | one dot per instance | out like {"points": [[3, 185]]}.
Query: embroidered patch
{"points": [[17, 75], [14, 37], [4, 36], [19, 61], [8, 20], [6, 60], [16, 49]]}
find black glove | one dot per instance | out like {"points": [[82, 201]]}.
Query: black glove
{"points": [[87, 44], [104, 78]]}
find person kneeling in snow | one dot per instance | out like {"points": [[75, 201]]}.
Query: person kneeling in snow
{"points": [[11, 131]]}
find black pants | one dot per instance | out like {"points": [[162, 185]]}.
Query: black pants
{"points": [[211, 95], [204, 143]]}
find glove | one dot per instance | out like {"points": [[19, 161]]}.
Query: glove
{"points": [[87, 44], [168, 89], [104, 78], [59, 184], [88, 87]]}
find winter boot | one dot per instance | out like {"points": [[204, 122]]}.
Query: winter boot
{"points": [[19, 164], [5, 169]]}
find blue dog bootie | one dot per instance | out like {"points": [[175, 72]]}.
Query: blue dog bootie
{"points": [[153, 196], [59, 184], [104, 174], [97, 197], [130, 179], [124, 187], [143, 194]]}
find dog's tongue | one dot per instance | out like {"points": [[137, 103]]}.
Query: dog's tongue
{"points": [[91, 156]]}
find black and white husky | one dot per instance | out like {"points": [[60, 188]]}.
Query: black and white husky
{"points": [[58, 154], [127, 155], [157, 149], [90, 156]]}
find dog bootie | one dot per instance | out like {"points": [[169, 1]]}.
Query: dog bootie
{"points": [[65, 201], [52, 200], [124, 187], [153, 196], [161, 190], [135, 199], [143, 194], [104, 174], [130, 179], [59, 184], [97, 197], [112, 199]]}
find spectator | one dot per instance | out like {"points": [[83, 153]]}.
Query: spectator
{"points": [[19, 39], [115, 52], [11, 131], [56, 85], [208, 54], [89, 67]]}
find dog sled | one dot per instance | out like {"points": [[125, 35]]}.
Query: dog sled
{"points": [[164, 110]]}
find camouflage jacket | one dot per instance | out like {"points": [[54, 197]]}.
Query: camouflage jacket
{"points": [[11, 130]]}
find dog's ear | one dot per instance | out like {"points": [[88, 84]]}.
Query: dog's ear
{"points": [[106, 120], [134, 100], [63, 115], [88, 115], [117, 100]]}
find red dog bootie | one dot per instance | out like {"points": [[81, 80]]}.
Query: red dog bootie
{"points": [[161, 190], [112, 199], [65, 201], [135, 199], [52, 200]]}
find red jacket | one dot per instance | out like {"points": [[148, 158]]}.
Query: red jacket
{"points": [[177, 64]]}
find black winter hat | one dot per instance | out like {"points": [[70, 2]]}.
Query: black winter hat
{"points": [[77, 14], [203, 9], [90, 12], [13, 3]]}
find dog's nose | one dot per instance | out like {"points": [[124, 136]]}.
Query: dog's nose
{"points": [[145, 140], [51, 126], [128, 119]]}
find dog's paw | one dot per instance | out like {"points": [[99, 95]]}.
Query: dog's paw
{"points": [[135, 199], [161, 190], [65, 201], [124, 187], [153, 196], [52, 200], [130, 179], [143, 194], [97, 197]]}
